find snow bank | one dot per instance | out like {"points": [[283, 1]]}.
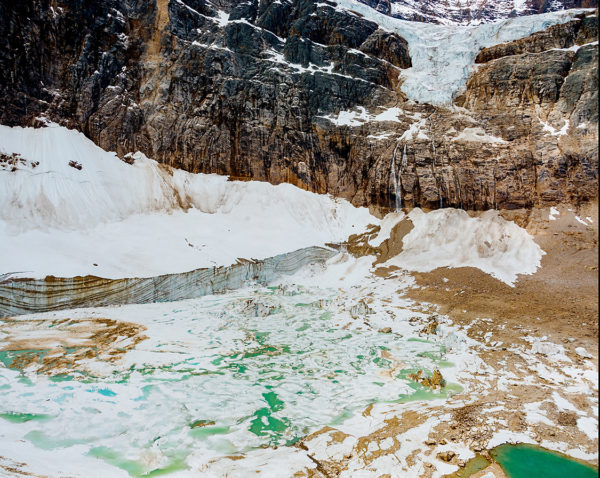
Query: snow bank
{"points": [[451, 238], [451, 12], [443, 55], [144, 219]]}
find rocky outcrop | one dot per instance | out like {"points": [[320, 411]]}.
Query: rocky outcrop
{"points": [[546, 103], [256, 90]]}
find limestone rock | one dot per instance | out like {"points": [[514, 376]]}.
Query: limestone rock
{"points": [[446, 455], [436, 381]]}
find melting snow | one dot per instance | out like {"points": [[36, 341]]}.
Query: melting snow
{"points": [[450, 238], [478, 135]]}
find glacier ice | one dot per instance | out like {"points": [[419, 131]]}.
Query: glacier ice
{"points": [[443, 55]]}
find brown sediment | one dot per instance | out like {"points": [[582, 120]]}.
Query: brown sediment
{"points": [[395, 368], [436, 381], [493, 468], [202, 424], [392, 246], [161, 18], [560, 300], [58, 346], [358, 244]]}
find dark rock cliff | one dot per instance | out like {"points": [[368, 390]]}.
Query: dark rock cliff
{"points": [[245, 89]]}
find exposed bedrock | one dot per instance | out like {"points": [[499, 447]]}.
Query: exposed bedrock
{"points": [[255, 90]]}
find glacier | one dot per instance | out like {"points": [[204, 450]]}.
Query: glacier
{"points": [[113, 220], [443, 56]]}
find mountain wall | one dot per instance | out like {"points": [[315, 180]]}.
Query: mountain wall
{"points": [[311, 94]]}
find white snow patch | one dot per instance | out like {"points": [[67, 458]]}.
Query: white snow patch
{"points": [[535, 415], [450, 238], [507, 436], [266, 463], [549, 349], [222, 18], [589, 426], [415, 131], [562, 403], [387, 224], [478, 135], [380, 136], [583, 352], [360, 116], [553, 131], [350, 118], [554, 213], [391, 114]]}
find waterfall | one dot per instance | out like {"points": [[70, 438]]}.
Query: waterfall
{"points": [[396, 180], [433, 164], [399, 180], [459, 193], [495, 200]]}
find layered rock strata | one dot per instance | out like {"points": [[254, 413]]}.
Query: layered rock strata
{"points": [[23, 296]]}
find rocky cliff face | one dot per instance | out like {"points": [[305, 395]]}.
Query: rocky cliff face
{"points": [[307, 93], [470, 12]]}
